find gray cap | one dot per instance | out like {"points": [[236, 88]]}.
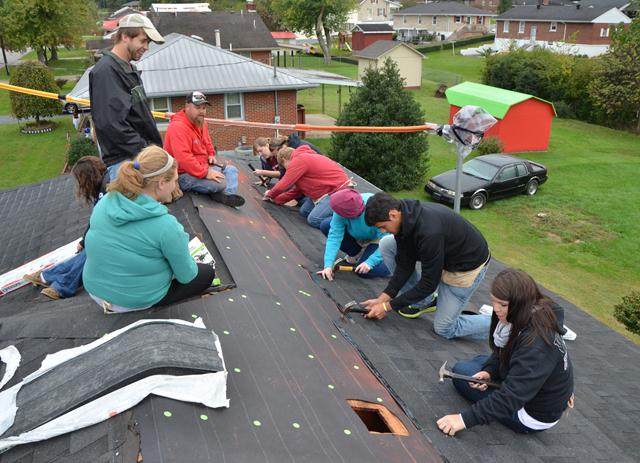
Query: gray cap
{"points": [[139, 20]]}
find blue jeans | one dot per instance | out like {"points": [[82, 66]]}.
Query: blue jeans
{"points": [[66, 277], [448, 322], [202, 185], [315, 213], [470, 368], [351, 247], [113, 171]]}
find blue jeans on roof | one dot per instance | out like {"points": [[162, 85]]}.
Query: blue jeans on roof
{"points": [[202, 185], [66, 277], [448, 321], [315, 213], [351, 247], [113, 171], [470, 368]]}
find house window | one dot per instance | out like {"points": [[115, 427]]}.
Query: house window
{"points": [[419, 19], [457, 19], [521, 27], [480, 20], [162, 105], [434, 20], [505, 27], [553, 26], [604, 32], [233, 107], [467, 19]]}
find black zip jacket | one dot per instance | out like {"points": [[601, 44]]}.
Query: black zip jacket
{"points": [[439, 239], [539, 377], [120, 110]]}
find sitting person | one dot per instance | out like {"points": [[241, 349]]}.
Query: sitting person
{"points": [[188, 141], [311, 175], [64, 279], [529, 358], [347, 231], [137, 253]]}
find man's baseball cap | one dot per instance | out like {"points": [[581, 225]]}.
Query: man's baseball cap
{"points": [[197, 98], [139, 20]]}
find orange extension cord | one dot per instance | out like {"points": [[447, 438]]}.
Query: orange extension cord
{"points": [[265, 125]]}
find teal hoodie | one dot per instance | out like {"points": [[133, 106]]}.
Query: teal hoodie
{"points": [[134, 249]]}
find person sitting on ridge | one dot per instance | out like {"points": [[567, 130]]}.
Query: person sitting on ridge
{"points": [[137, 253], [188, 141]]}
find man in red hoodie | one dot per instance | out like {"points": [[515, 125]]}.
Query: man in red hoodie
{"points": [[311, 175], [188, 141]]}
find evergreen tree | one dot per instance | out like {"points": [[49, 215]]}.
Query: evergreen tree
{"points": [[391, 161]]}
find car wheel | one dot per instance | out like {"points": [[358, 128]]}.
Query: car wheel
{"points": [[477, 201], [532, 187], [71, 108]]}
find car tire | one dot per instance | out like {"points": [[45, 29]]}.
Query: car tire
{"points": [[70, 108], [532, 187], [477, 201]]}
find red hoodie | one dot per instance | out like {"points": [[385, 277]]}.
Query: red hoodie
{"points": [[190, 145], [309, 174]]}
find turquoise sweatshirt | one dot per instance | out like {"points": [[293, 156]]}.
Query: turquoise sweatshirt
{"points": [[134, 249], [356, 228]]}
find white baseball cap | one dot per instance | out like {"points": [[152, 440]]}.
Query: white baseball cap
{"points": [[139, 20]]}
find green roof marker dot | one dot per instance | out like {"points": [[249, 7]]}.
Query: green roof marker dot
{"points": [[334, 336], [268, 257], [194, 316], [237, 370], [228, 247], [311, 356], [250, 221], [356, 367], [218, 220], [226, 332], [304, 292], [264, 237], [230, 299], [331, 386], [379, 399], [277, 303], [228, 237], [292, 329], [295, 425], [347, 432], [284, 257], [216, 281], [204, 417], [244, 296], [257, 423], [167, 413]]}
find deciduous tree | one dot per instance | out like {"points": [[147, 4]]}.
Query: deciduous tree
{"points": [[37, 76]]}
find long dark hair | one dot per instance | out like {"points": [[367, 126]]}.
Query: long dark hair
{"points": [[529, 311], [88, 172]]}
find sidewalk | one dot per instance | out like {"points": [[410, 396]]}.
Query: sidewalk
{"points": [[319, 119]]}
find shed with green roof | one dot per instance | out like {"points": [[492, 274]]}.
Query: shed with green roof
{"points": [[524, 121]]}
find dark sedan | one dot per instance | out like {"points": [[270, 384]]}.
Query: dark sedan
{"points": [[488, 177]]}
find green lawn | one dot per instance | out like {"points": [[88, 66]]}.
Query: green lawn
{"points": [[70, 63], [31, 158], [585, 244]]}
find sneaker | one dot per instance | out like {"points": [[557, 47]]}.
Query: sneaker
{"points": [[416, 311], [569, 334], [228, 199], [34, 279], [50, 293]]}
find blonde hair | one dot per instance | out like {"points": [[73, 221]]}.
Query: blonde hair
{"points": [[284, 155], [260, 142], [131, 179]]}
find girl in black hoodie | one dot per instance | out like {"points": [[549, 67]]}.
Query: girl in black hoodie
{"points": [[529, 358]]}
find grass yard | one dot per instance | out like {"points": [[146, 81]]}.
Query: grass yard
{"points": [[31, 158], [584, 245], [70, 63]]}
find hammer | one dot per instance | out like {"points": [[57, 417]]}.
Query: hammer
{"points": [[444, 373], [263, 180], [352, 306]]}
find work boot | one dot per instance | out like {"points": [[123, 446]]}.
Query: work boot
{"points": [[228, 199], [50, 293], [415, 311], [34, 279]]}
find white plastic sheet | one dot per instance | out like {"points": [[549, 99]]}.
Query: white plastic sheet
{"points": [[11, 357], [209, 389]]}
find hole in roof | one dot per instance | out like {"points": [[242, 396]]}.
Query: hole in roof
{"points": [[377, 418]]}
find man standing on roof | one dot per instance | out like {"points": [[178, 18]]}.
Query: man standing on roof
{"points": [[430, 250], [188, 141], [119, 106]]}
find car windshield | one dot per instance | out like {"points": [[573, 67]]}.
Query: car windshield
{"points": [[479, 169]]}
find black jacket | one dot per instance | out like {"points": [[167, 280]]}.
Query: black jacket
{"points": [[539, 377], [120, 110], [439, 239]]}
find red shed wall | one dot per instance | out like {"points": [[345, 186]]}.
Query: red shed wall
{"points": [[360, 40]]}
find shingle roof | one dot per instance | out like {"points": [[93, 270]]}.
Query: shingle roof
{"points": [[373, 27], [585, 13], [381, 47], [238, 31], [444, 9]]}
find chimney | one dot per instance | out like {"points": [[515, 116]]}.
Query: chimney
{"points": [[250, 6], [217, 33]]}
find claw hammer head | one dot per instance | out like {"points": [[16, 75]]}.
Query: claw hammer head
{"points": [[352, 306], [444, 373]]}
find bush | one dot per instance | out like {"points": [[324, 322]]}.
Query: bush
{"points": [[490, 145], [61, 82], [627, 312], [563, 110], [80, 146], [391, 161], [37, 76]]}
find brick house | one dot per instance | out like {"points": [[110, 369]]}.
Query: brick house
{"points": [[364, 34], [244, 33], [582, 28], [441, 19]]}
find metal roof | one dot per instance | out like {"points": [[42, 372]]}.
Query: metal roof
{"points": [[443, 9], [373, 28], [322, 77], [382, 47], [496, 101]]}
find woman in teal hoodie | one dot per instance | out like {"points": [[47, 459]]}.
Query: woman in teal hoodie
{"points": [[137, 253]]}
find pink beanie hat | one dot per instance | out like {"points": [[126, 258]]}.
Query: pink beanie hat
{"points": [[347, 203]]}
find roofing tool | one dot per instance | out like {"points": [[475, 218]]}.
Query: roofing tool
{"points": [[263, 180], [352, 306], [444, 373]]}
